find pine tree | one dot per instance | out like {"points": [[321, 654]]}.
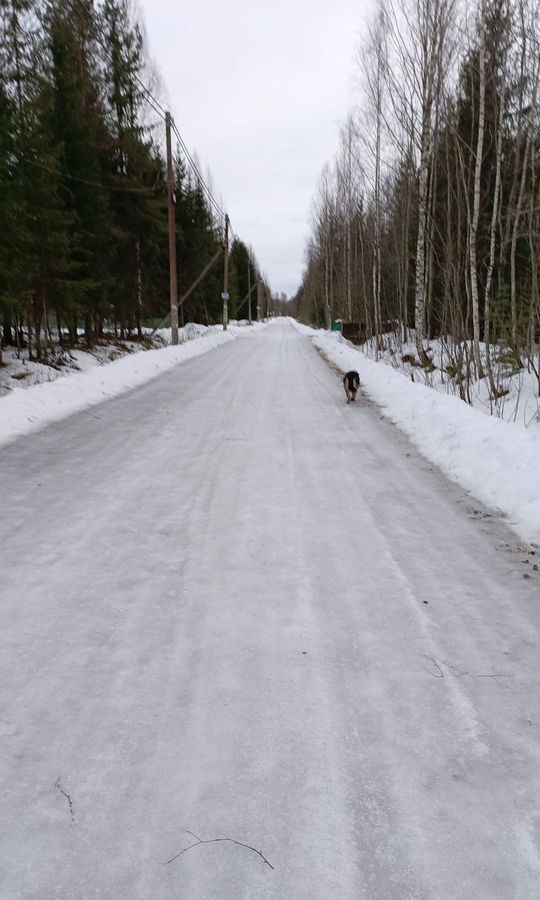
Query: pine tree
{"points": [[199, 242], [80, 132]]}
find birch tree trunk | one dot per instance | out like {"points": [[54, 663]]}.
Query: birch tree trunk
{"points": [[429, 62], [377, 240], [377, 99], [476, 194], [519, 206], [327, 313], [420, 279]]}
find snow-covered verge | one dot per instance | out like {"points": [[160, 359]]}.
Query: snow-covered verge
{"points": [[451, 372], [497, 461], [18, 371], [24, 411]]}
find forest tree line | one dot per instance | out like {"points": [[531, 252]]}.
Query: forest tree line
{"points": [[428, 218], [83, 185]]}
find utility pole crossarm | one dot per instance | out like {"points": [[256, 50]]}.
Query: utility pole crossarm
{"points": [[200, 277], [248, 297]]}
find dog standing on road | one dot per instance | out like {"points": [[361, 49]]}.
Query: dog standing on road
{"points": [[351, 383]]}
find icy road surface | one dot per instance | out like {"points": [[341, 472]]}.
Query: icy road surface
{"points": [[235, 608]]}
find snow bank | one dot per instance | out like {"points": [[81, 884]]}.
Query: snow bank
{"points": [[497, 461], [24, 411], [18, 372], [518, 387]]}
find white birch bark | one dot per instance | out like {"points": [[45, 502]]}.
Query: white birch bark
{"points": [[492, 243], [519, 205], [476, 194]]}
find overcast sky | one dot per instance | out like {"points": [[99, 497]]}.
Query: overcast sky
{"points": [[258, 89]]}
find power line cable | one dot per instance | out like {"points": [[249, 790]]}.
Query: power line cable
{"points": [[110, 187], [97, 30], [197, 172], [155, 104], [158, 108]]}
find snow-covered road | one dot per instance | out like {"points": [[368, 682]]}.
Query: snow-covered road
{"points": [[234, 607]]}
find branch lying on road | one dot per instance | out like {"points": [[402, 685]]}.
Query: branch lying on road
{"points": [[458, 674], [58, 784], [439, 673], [495, 675], [200, 841]]}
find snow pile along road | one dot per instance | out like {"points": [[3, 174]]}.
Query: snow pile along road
{"points": [[27, 410], [497, 461], [518, 385]]}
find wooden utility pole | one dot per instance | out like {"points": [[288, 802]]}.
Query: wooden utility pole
{"points": [[225, 294], [172, 237], [249, 291]]}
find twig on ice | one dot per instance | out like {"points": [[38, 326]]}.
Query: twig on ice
{"points": [[58, 784], [453, 670], [496, 675], [200, 841], [439, 673]]}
